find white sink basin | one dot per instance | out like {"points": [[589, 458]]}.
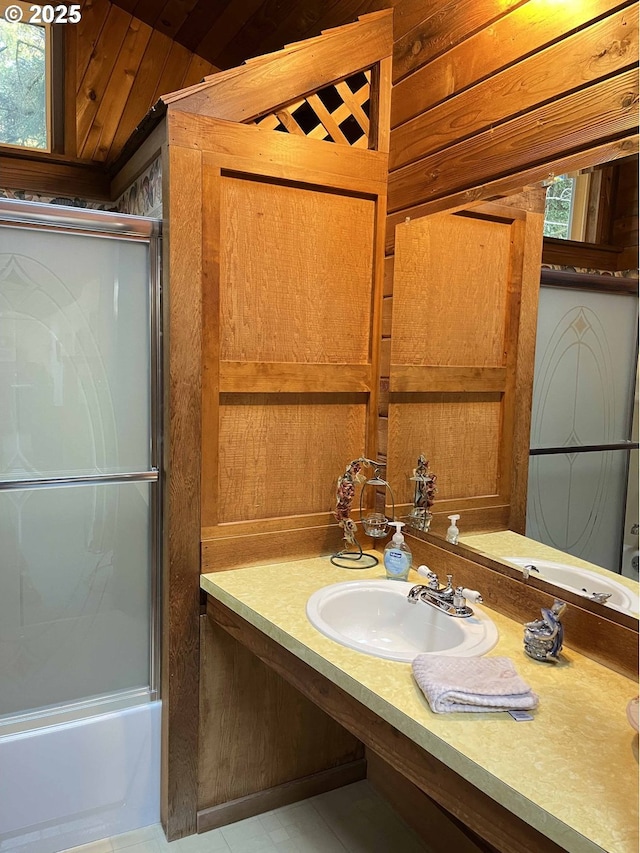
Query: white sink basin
{"points": [[581, 581], [375, 617]]}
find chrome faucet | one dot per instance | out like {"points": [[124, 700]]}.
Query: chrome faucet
{"points": [[599, 597], [452, 601]]}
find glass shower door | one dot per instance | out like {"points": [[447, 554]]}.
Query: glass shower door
{"points": [[581, 421], [78, 469]]}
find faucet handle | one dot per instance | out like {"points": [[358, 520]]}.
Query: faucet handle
{"points": [[432, 577], [472, 595]]}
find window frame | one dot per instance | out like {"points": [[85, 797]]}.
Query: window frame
{"points": [[578, 211], [53, 45]]}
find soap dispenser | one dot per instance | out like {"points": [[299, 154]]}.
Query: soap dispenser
{"points": [[397, 556], [452, 532]]}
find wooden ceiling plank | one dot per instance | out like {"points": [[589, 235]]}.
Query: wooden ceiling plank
{"points": [[141, 96], [149, 10], [199, 21], [248, 92], [94, 16], [580, 120], [524, 30], [225, 31], [99, 70], [197, 69], [173, 15], [609, 45], [175, 69], [115, 96], [126, 5]]}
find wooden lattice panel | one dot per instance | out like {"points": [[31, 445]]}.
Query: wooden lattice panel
{"points": [[338, 113]]}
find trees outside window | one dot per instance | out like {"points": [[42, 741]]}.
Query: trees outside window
{"points": [[559, 208], [24, 111]]}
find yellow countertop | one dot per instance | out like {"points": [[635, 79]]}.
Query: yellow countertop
{"points": [[572, 772]]}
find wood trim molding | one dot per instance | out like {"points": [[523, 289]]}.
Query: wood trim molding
{"points": [[419, 378], [488, 818], [240, 377], [281, 795], [53, 175], [588, 281], [277, 546], [182, 261]]}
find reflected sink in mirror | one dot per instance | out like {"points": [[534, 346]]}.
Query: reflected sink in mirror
{"points": [[374, 617], [582, 581]]}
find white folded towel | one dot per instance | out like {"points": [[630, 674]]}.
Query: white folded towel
{"points": [[472, 684]]}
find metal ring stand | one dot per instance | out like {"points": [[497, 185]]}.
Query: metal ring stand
{"points": [[374, 525]]}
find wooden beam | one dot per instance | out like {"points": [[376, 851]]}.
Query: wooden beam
{"points": [[464, 199], [593, 115], [238, 147], [50, 175]]}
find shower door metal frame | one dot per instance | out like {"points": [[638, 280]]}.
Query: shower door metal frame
{"points": [[111, 226]]}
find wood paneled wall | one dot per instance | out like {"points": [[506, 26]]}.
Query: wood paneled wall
{"points": [[486, 90], [460, 371], [122, 66]]}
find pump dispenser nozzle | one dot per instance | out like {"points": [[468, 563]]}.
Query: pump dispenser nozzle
{"points": [[453, 533], [397, 537]]}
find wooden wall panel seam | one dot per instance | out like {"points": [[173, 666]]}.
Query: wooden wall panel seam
{"points": [[608, 47], [523, 31], [599, 113], [455, 24]]}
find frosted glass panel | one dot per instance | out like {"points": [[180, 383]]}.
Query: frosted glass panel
{"points": [[584, 370], [74, 593], [576, 503], [582, 394], [74, 354]]}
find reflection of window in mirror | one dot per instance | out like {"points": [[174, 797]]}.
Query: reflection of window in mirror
{"points": [[566, 207]]}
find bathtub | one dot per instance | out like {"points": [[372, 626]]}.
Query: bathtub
{"points": [[76, 782]]}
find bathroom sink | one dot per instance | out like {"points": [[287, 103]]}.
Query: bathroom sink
{"points": [[581, 581], [374, 616]]}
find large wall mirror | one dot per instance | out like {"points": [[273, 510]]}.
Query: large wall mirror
{"points": [[575, 342]]}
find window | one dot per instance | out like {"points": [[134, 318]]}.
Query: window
{"points": [[566, 208], [25, 84]]}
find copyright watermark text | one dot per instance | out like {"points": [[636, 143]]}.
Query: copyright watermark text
{"points": [[60, 14]]}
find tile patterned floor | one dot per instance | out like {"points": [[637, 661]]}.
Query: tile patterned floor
{"points": [[353, 819]]}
